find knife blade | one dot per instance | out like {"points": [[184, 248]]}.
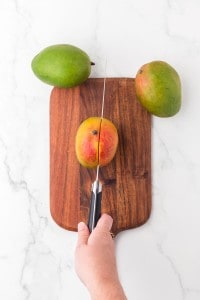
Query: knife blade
{"points": [[96, 190]]}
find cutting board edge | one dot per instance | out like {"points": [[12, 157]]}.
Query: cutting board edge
{"points": [[60, 224], [89, 79], [69, 228]]}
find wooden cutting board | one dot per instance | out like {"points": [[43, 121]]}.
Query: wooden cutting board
{"points": [[126, 180]]}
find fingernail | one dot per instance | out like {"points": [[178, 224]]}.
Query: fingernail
{"points": [[81, 226]]}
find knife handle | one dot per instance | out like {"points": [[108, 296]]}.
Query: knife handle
{"points": [[95, 210]]}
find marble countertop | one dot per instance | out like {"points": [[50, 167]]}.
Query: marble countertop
{"points": [[158, 261]]}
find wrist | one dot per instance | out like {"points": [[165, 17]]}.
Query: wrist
{"points": [[108, 290]]}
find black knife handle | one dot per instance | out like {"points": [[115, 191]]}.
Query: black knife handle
{"points": [[95, 210]]}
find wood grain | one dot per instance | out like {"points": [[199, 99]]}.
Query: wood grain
{"points": [[126, 180]]}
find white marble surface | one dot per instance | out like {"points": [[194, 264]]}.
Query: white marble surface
{"points": [[158, 261]]}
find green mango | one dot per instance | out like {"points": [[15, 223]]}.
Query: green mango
{"points": [[158, 88], [62, 65]]}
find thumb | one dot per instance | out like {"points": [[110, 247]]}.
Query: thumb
{"points": [[83, 234], [105, 223]]}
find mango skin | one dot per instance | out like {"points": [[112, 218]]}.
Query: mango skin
{"points": [[158, 88], [96, 142], [62, 65]]}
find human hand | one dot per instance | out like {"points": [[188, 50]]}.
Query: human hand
{"points": [[95, 260]]}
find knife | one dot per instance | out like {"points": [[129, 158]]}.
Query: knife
{"points": [[96, 190], [95, 203]]}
